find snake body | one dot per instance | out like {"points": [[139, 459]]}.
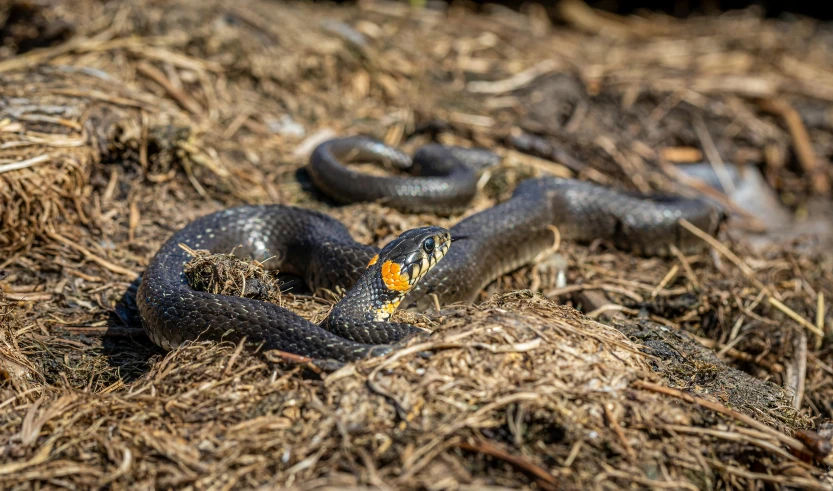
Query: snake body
{"points": [[444, 178], [321, 250]]}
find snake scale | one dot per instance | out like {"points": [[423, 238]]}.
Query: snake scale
{"points": [[406, 272]]}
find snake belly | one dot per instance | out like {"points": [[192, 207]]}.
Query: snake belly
{"points": [[320, 249]]}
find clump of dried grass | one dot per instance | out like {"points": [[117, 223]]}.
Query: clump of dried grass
{"points": [[227, 274], [56, 126], [517, 391]]}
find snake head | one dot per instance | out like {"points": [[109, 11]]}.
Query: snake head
{"points": [[406, 259], [398, 267]]}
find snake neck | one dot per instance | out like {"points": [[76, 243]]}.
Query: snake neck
{"points": [[374, 298], [363, 313]]}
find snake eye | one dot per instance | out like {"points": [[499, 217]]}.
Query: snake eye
{"points": [[428, 245]]}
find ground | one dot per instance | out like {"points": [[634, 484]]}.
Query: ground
{"points": [[120, 121]]}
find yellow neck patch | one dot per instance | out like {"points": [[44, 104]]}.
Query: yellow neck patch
{"points": [[393, 280], [373, 261], [385, 312]]}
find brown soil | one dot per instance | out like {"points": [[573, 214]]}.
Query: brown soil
{"points": [[121, 121]]}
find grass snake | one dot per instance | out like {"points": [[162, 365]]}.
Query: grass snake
{"points": [[406, 272]]}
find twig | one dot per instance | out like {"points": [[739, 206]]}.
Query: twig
{"points": [[586, 18], [515, 81], [40, 56], [800, 369], [614, 424], [820, 318], [611, 307], [713, 155], [115, 268], [801, 141], [689, 272], [29, 296], [544, 479], [608, 288], [99, 96], [784, 439], [234, 356], [22, 164], [794, 316], [736, 436], [682, 154], [790, 481], [183, 99], [571, 457], [746, 270], [665, 280]]}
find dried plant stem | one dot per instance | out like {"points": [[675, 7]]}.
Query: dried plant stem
{"points": [[794, 316], [544, 479], [784, 439], [115, 268], [750, 275], [731, 256]]}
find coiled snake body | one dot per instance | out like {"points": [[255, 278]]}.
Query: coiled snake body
{"points": [[320, 249]]}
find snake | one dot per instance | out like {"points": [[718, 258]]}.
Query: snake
{"points": [[418, 269]]}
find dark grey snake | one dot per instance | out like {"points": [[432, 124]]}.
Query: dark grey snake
{"points": [[414, 268]]}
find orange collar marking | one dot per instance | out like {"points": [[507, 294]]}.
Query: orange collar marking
{"points": [[393, 280], [373, 261]]}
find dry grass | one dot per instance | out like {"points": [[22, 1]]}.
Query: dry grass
{"points": [[138, 116], [515, 391]]}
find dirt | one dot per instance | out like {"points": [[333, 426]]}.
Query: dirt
{"points": [[121, 121]]}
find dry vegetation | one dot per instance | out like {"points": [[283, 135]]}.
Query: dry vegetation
{"points": [[120, 121]]}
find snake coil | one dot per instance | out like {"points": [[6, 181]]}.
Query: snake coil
{"points": [[320, 249]]}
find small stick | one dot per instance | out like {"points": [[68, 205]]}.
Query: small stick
{"points": [[611, 307], [688, 270], [746, 270], [784, 439], [234, 356], [573, 454], [665, 280], [800, 370], [29, 296], [22, 164], [737, 436], [608, 288], [794, 316], [820, 318], [115, 268], [801, 142], [713, 155], [284, 356], [514, 82], [799, 482], [736, 327], [614, 424], [183, 99], [543, 478], [133, 221]]}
